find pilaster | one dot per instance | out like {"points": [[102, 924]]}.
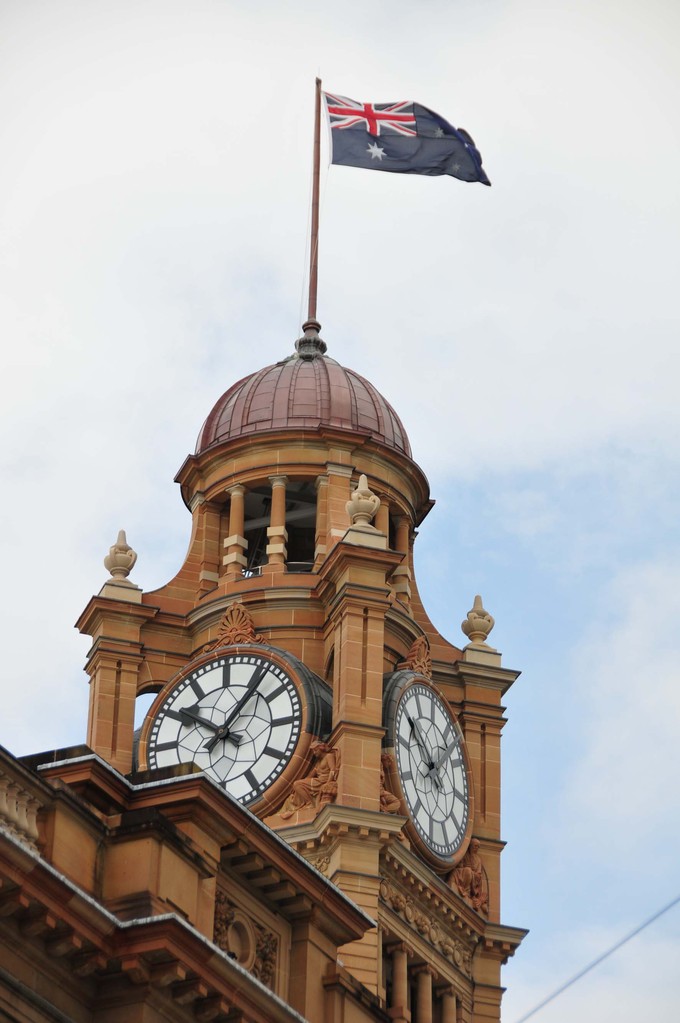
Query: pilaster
{"points": [[346, 843], [113, 665]]}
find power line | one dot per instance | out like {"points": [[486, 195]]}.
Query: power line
{"points": [[600, 959]]}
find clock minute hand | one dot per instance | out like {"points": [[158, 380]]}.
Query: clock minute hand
{"points": [[223, 731], [445, 755]]}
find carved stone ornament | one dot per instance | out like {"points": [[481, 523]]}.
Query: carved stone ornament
{"points": [[363, 504], [248, 942], [478, 623], [121, 558], [236, 626], [433, 931], [322, 863], [389, 803], [18, 812], [469, 879], [418, 658], [319, 786]]}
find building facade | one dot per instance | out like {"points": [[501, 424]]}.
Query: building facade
{"points": [[307, 825]]}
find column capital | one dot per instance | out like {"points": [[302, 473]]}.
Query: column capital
{"points": [[398, 946], [424, 968], [278, 481], [238, 490]]}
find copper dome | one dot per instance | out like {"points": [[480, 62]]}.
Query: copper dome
{"points": [[304, 391]]}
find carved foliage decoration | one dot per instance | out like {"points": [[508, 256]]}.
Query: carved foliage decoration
{"points": [[320, 785], [224, 917], [432, 930], [470, 880], [236, 626], [418, 658], [245, 940], [266, 947]]}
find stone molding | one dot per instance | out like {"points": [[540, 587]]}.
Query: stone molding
{"points": [[315, 838]]}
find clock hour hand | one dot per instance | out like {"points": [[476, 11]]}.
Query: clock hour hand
{"points": [[187, 716], [421, 741]]}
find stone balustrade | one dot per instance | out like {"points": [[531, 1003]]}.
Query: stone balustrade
{"points": [[18, 811]]}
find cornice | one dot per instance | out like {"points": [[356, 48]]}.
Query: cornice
{"points": [[336, 821], [104, 607], [63, 922], [486, 676]]}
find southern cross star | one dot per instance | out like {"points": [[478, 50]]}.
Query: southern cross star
{"points": [[439, 133], [376, 152]]}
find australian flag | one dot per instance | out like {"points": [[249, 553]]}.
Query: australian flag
{"points": [[404, 138]]}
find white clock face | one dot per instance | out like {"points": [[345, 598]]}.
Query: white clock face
{"points": [[238, 718], [431, 768]]}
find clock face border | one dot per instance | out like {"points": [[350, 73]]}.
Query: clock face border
{"points": [[400, 685], [300, 693]]}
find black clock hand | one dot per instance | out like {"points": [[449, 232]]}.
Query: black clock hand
{"points": [[420, 740], [434, 768], [447, 753], [223, 731], [189, 715]]}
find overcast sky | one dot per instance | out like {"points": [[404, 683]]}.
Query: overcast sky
{"points": [[154, 192]]}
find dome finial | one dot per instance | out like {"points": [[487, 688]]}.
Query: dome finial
{"points": [[310, 344]]}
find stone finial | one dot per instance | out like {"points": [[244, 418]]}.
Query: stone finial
{"points": [[363, 505], [121, 558], [478, 623], [310, 345]]}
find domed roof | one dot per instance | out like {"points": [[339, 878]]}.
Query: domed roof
{"points": [[304, 391]]}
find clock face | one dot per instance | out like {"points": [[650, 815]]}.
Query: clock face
{"points": [[430, 761], [237, 717]]}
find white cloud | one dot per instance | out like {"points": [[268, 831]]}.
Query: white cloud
{"points": [[627, 676], [636, 983]]}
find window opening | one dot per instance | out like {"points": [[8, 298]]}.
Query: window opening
{"points": [[301, 525], [257, 507]]}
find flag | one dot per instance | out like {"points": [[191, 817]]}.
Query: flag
{"points": [[405, 138]]}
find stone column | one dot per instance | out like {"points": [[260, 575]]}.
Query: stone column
{"points": [[382, 519], [424, 975], [401, 577], [321, 532], [235, 544], [207, 515], [276, 532], [448, 997], [339, 482], [398, 1010]]}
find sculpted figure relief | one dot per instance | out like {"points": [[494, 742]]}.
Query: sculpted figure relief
{"points": [[389, 803], [321, 784], [470, 880]]}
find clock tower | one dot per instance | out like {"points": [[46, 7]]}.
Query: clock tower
{"points": [[315, 790]]}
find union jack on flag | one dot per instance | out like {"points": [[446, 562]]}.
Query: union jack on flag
{"points": [[377, 118], [404, 137]]}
